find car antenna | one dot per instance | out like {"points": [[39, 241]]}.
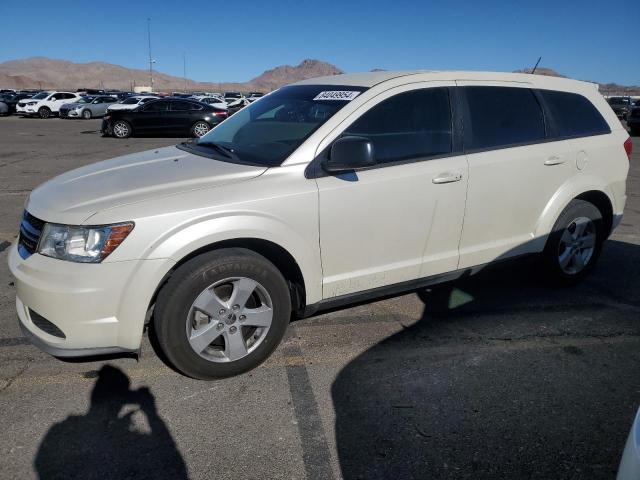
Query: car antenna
{"points": [[533, 70]]}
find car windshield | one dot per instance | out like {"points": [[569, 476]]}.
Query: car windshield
{"points": [[41, 96], [232, 95], [267, 132], [85, 99], [130, 101]]}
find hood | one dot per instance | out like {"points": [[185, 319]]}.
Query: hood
{"points": [[73, 197]]}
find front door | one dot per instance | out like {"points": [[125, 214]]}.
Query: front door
{"points": [[401, 220]]}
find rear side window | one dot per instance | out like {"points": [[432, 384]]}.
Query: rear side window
{"points": [[184, 106], [413, 124], [573, 115], [501, 117]]}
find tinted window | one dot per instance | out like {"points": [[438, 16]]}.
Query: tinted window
{"points": [[408, 125], [572, 115], [156, 107], [502, 116], [182, 106]]}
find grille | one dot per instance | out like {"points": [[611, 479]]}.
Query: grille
{"points": [[45, 325], [21, 104], [30, 231]]}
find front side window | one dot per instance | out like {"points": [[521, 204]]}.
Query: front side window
{"points": [[573, 115], [265, 133], [156, 107], [502, 117], [415, 124]]}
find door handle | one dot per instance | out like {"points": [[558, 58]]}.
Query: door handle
{"points": [[554, 160], [447, 178]]}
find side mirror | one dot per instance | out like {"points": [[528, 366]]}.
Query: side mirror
{"points": [[349, 153]]}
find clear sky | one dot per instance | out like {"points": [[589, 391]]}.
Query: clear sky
{"points": [[237, 40]]}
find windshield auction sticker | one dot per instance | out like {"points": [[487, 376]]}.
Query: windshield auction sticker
{"points": [[342, 95]]}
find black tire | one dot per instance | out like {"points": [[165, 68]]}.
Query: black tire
{"points": [[86, 114], [121, 129], [188, 281], [197, 129], [44, 112], [555, 247]]}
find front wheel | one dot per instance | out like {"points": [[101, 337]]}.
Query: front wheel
{"points": [[121, 129], [86, 114], [574, 245], [200, 129], [44, 112], [222, 313]]}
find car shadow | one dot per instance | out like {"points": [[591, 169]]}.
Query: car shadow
{"points": [[120, 436], [501, 377]]}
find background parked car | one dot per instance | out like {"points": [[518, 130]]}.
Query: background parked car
{"points": [[131, 102], [253, 96], [235, 99], [10, 100], [167, 116], [45, 104], [633, 120], [87, 107], [217, 102], [620, 106]]}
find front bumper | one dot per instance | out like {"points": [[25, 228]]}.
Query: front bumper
{"points": [[99, 308]]}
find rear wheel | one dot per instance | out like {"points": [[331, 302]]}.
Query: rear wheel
{"points": [[200, 129], [222, 313], [86, 114], [575, 242], [121, 129], [44, 112]]}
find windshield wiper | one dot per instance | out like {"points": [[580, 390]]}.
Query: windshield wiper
{"points": [[226, 151]]}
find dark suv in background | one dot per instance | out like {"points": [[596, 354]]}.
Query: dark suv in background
{"points": [[633, 119], [620, 106]]}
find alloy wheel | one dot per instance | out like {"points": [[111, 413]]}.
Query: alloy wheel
{"points": [[577, 245], [200, 129], [229, 319], [121, 130]]}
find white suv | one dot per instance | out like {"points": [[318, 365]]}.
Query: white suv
{"points": [[325, 192], [45, 104]]}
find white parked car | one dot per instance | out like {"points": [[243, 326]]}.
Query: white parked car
{"points": [[235, 100], [325, 192], [45, 104], [131, 102], [213, 101]]}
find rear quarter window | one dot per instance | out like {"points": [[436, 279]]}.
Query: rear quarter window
{"points": [[572, 115]]}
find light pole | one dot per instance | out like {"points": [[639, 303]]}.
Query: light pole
{"points": [[184, 70], [151, 60]]}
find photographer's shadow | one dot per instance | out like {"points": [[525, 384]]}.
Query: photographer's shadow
{"points": [[112, 440]]}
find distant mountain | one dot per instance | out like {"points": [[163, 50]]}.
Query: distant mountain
{"points": [[605, 88], [42, 72]]}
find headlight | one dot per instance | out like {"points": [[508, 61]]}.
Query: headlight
{"points": [[31, 103], [82, 244]]}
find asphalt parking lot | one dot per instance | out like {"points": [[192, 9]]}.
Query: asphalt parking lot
{"points": [[501, 378]]}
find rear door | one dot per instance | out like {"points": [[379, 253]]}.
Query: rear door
{"points": [[514, 170], [402, 219], [182, 115], [151, 118]]}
